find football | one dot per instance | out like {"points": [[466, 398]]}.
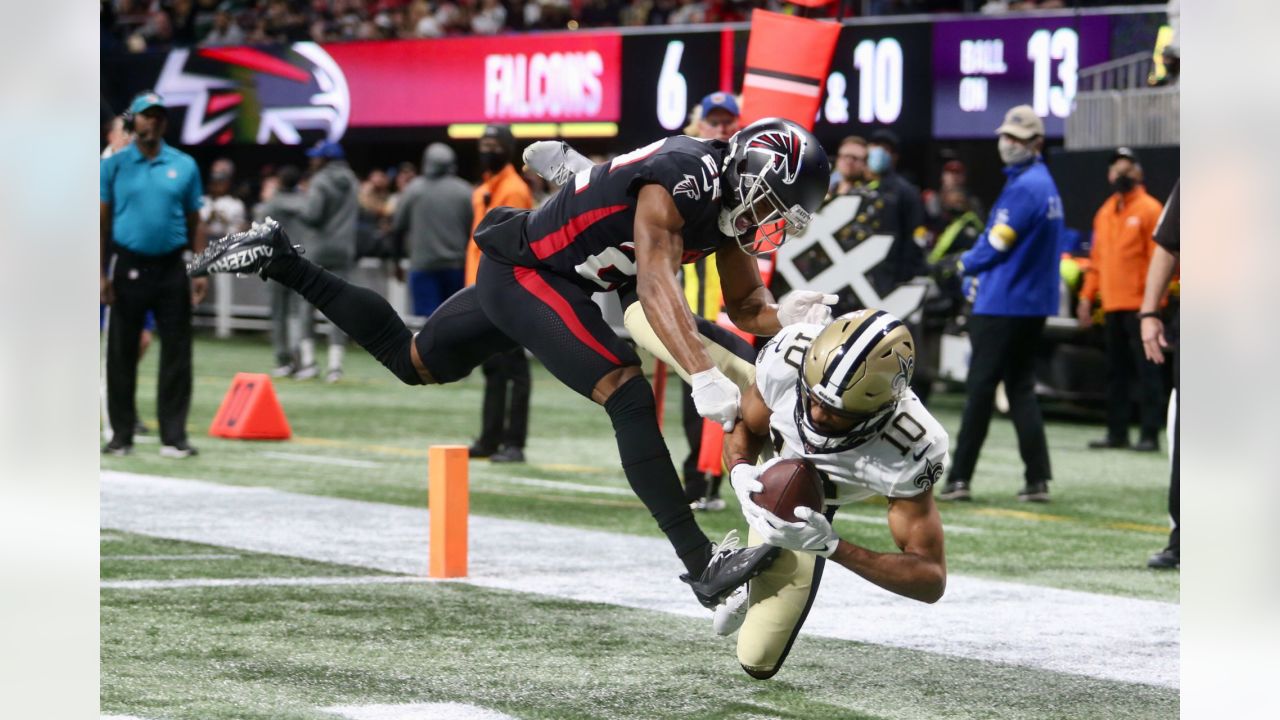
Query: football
{"points": [[789, 484]]}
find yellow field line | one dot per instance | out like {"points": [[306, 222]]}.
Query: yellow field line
{"points": [[1045, 517]]}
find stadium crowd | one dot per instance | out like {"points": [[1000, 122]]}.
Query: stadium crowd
{"points": [[140, 25]]}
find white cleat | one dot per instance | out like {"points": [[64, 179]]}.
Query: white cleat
{"points": [[732, 612]]}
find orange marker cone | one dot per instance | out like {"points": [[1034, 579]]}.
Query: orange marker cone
{"points": [[448, 501], [250, 411]]}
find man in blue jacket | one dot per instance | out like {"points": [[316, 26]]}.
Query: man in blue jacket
{"points": [[1012, 271]]}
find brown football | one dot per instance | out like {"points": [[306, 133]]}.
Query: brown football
{"points": [[789, 484]]}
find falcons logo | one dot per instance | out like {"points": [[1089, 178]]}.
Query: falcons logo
{"points": [[245, 94], [787, 148]]}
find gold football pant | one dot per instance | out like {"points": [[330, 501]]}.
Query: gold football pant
{"points": [[780, 600]]}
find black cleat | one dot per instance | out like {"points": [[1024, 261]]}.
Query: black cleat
{"points": [[119, 448], [1035, 492], [1108, 443], [955, 490], [729, 568], [1147, 445], [243, 252]]}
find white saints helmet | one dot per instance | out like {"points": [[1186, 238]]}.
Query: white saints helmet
{"points": [[857, 368]]}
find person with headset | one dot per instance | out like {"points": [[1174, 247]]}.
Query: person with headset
{"points": [[149, 199]]}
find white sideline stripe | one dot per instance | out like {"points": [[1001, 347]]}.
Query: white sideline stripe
{"points": [[883, 521], [206, 556], [561, 485], [766, 82], [322, 459], [417, 711], [1066, 631], [261, 582]]}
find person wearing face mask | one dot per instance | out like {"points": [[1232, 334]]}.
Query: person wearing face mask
{"points": [[1012, 271], [1122, 249], [504, 427]]}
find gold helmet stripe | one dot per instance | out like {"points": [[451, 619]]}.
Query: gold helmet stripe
{"points": [[856, 349]]}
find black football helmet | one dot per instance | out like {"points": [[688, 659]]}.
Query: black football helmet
{"points": [[775, 176]]}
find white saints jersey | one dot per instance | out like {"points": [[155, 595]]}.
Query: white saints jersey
{"points": [[904, 459]]}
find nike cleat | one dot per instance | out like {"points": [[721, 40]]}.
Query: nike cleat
{"points": [[244, 252], [730, 567]]}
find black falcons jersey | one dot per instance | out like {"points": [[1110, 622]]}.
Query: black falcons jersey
{"points": [[585, 232]]}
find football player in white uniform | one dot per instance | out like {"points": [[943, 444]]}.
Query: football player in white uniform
{"points": [[840, 397]]}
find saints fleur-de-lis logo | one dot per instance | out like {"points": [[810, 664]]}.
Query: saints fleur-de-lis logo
{"points": [[930, 476], [906, 368]]}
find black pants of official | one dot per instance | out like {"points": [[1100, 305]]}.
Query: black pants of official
{"points": [[158, 284], [1004, 348], [503, 424], [1129, 370]]}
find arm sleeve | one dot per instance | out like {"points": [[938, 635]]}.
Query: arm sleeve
{"points": [[106, 172], [1012, 219]]}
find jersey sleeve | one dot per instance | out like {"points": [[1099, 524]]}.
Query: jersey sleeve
{"points": [[779, 362], [926, 459]]}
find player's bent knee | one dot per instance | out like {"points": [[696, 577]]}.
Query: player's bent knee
{"points": [[614, 379]]}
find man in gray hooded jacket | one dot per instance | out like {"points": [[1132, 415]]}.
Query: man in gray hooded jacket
{"points": [[331, 210], [433, 219]]}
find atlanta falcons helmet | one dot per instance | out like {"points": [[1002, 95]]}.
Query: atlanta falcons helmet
{"points": [[775, 176], [857, 368]]}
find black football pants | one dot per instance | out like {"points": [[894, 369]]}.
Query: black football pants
{"points": [[1004, 348], [1128, 369], [158, 284]]}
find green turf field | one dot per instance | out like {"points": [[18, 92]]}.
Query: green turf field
{"points": [[278, 651]]}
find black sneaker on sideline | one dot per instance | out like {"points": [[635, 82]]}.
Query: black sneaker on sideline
{"points": [[178, 450], [1166, 559], [243, 252], [477, 450], [117, 448], [1108, 443], [1035, 492], [729, 568], [508, 454], [955, 490], [1147, 445]]}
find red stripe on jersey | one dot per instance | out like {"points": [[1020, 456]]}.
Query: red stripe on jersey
{"points": [[558, 240], [533, 282]]}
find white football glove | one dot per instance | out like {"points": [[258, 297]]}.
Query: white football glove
{"points": [[555, 160], [716, 397], [813, 534], [805, 306], [745, 479]]}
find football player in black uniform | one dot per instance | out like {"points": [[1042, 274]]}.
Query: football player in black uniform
{"points": [[631, 221]]}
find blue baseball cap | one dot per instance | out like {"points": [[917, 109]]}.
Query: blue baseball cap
{"points": [[722, 101], [326, 149], [145, 101]]}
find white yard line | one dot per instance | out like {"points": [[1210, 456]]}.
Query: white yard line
{"points": [[417, 711], [561, 485], [1101, 636], [156, 558], [322, 459], [262, 582]]}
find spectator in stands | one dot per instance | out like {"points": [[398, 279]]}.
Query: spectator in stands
{"points": [[331, 209], [434, 219], [851, 165], [490, 18], [688, 12], [1013, 270], [503, 431], [1164, 262], [1122, 247], [225, 30], [149, 197], [221, 212], [284, 201], [1172, 60]]}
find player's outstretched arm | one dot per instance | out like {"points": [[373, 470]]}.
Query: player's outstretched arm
{"points": [[659, 248], [744, 443], [747, 301], [920, 570]]}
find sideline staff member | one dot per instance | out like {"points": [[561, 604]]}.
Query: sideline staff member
{"points": [[149, 198]]}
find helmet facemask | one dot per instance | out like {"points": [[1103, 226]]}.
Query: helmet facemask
{"points": [[818, 440], [760, 221]]}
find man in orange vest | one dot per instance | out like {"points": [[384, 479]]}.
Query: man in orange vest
{"points": [[1122, 248], [502, 433]]}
